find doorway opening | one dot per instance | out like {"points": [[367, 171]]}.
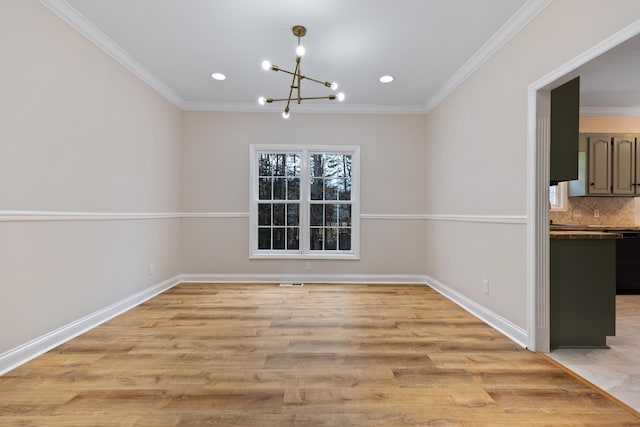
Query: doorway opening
{"points": [[538, 139]]}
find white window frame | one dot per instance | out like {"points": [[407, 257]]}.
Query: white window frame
{"points": [[562, 201], [304, 151]]}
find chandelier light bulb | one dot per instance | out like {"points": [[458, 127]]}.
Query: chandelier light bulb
{"points": [[341, 96], [334, 86], [266, 65], [262, 100], [285, 114], [300, 50]]}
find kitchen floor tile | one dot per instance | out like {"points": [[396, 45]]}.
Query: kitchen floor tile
{"points": [[615, 370]]}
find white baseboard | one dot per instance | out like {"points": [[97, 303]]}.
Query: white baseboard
{"points": [[34, 348], [502, 325], [374, 279]]}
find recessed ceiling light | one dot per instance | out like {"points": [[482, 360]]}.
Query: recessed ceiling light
{"points": [[386, 79], [218, 76]]}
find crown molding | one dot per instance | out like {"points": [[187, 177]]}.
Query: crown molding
{"points": [[72, 17], [610, 111], [517, 22], [81, 24]]}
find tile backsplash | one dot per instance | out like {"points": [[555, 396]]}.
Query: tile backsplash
{"points": [[619, 211]]}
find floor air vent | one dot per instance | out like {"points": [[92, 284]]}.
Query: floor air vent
{"points": [[290, 284]]}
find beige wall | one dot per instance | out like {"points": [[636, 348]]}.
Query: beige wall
{"points": [[479, 137], [216, 180], [610, 124], [79, 134]]}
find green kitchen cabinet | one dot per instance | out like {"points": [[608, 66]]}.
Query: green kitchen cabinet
{"points": [[582, 292], [565, 121]]}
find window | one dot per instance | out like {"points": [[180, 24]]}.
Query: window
{"points": [[558, 197], [304, 201]]}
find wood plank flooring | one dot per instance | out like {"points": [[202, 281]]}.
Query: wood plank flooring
{"points": [[318, 355]]}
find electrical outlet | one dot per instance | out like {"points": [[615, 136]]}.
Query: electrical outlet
{"points": [[152, 269], [596, 213], [307, 265], [577, 213], [485, 287]]}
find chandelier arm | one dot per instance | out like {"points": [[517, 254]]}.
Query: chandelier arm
{"points": [[278, 99], [303, 99], [285, 71], [327, 84], [319, 97]]}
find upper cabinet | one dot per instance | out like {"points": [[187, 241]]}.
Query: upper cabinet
{"points": [[609, 165], [623, 168], [599, 170], [565, 122]]}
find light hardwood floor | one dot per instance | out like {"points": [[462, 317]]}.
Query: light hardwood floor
{"points": [[320, 355]]}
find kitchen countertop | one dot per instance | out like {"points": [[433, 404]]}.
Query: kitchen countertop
{"points": [[580, 234], [592, 227]]}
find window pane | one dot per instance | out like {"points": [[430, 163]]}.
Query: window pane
{"points": [[553, 199], [330, 189], [330, 215], [279, 189], [264, 214], [317, 189], [333, 165], [293, 214], [293, 189], [345, 239], [344, 189], [279, 238], [316, 217], [344, 215], [264, 190], [264, 238], [264, 165], [293, 238], [315, 165], [337, 165], [279, 215], [330, 239], [316, 239], [293, 165], [279, 162], [346, 165]]}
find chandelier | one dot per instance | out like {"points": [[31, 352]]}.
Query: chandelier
{"points": [[296, 81]]}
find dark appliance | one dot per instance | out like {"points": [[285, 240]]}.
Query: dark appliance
{"points": [[628, 262]]}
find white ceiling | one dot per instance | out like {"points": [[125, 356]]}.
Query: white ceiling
{"points": [[610, 84], [430, 46]]}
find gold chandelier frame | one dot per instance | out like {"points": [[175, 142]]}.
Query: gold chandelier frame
{"points": [[298, 31]]}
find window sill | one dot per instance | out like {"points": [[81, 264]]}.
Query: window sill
{"points": [[345, 257]]}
